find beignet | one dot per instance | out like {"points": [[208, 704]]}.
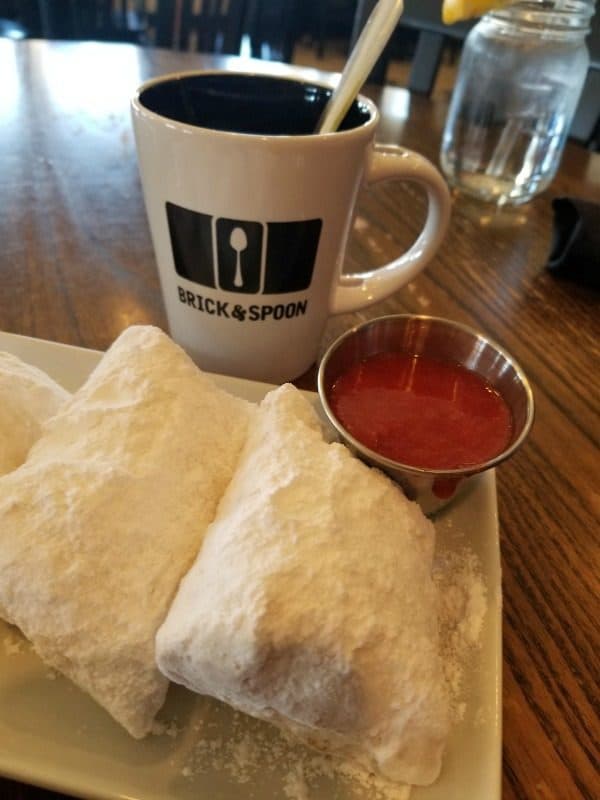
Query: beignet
{"points": [[27, 398], [107, 514], [311, 602]]}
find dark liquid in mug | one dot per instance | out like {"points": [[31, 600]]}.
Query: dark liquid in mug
{"points": [[252, 104]]}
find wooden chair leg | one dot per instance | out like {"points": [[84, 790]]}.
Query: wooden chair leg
{"points": [[586, 123], [426, 62]]}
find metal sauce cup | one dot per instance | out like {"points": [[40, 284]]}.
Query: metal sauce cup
{"points": [[442, 340]]}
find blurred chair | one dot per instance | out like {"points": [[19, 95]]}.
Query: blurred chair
{"points": [[12, 29], [585, 127], [214, 26], [211, 26], [425, 18], [332, 19], [101, 20], [273, 27], [586, 124], [156, 18], [14, 22]]}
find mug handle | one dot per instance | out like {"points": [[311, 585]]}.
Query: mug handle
{"points": [[389, 162]]}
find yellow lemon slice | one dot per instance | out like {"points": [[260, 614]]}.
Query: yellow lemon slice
{"points": [[456, 10]]}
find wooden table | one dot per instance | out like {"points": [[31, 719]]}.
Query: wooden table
{"points": [[76, 266]]}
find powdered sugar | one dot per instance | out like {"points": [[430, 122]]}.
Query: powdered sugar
{"points": [[269, 763], [33, 698], [238, 750], [356, 672], [13, 641], [254, 759], [462, 609]]}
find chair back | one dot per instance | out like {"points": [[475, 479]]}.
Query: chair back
{"points": [[425, 18], [585, 128], [210, 26], [274, 28], [103, 20]]}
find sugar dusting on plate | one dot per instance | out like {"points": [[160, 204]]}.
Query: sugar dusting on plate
{"points": [[252, 749], [463, 605], [268, 762]]}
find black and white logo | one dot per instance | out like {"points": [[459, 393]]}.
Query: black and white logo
{"points": [[244, 256]]}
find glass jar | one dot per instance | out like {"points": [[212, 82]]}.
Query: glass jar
{"points": [[521, 73]]}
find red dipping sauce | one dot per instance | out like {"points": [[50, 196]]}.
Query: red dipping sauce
{"points": [[422, 412]]}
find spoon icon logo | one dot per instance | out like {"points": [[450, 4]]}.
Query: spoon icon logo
{"points": [[243, 256], [239, 251], [239, 242]]}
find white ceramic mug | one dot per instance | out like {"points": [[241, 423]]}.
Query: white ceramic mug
{"points": [[250, 212]]}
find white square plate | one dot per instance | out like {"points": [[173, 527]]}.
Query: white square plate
{"points": [[53, 735]]}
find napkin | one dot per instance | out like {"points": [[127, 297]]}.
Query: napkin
{"points": [[575, 249]]}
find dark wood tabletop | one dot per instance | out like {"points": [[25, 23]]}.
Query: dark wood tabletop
{"points": [[76, 266]]}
